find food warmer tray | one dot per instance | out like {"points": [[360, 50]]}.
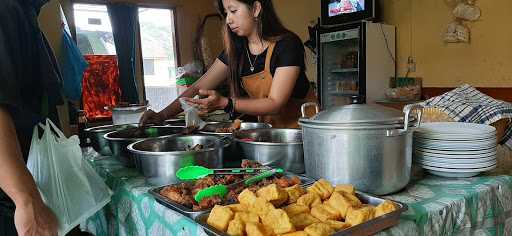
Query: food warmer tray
{"points": [[188, 212], [370, 227]]}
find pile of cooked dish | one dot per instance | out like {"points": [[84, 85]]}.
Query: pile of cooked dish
{"points": [[184, 193], [236, 125], [319, 210]]}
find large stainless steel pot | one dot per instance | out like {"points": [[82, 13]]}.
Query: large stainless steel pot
{"points": [[98, 142], [364, 145], [161, 158], [119, 140], [273, 147]]}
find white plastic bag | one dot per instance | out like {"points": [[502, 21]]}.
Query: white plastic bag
{"points": [[191, 115], [67, 183]]}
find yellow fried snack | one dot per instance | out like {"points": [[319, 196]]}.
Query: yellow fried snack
{"points": [[303, 220], [385, 207], [256, 229], [247, 217], [294, 209], [337, 225], [357, 216], [319, 229], [342, 201], [309, 199], [261, 207], [296, 233], [236, 227], [323, 188], [237, 207], [274, 194], [219, 217], [348, 188], [247, 197], [294, 192], [325, 212], [278, 220]]}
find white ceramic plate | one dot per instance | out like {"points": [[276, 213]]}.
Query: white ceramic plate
{"points": [[455, 153], [457, 166], [460, 141], [455, 128], [449, 147], [457, 137], [458, 170], [453, 160]]}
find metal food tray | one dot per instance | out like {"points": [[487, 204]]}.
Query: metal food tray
{"points": [[155, 192], [370, 227]]}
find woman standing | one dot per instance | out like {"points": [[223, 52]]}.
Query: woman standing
{"points": [[264, 63]]}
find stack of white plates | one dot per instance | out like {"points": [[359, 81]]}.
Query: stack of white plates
{"points": [[453, 149]]}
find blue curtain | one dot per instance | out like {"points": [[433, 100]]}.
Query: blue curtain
{"points": [[124, 20]]}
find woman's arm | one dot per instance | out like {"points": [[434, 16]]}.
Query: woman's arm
{"points": [[280, 92]]}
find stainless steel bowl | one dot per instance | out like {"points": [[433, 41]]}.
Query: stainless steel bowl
{"points": [[175, 122], [160, 158], [273, 147], [119, 140], [98, 142]]}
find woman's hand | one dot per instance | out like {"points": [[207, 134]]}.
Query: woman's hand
{"points": [[151, 117], [35, 218], [213, 102]]}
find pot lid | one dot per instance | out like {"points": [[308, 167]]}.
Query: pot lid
{"points": [[357, 114]]}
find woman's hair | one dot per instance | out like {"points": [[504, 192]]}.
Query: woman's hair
{"points": [[269, 28]]}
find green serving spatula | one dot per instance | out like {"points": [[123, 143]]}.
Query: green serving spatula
{"points": [[221, 189], [198, 172]]}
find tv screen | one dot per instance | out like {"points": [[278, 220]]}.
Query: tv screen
{"points": [[340, 7], [336, 12]]}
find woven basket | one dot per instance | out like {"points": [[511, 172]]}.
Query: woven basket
{"points": [[433, 114]]}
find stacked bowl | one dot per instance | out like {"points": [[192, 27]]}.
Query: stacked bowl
{"points": [[453, 149]]}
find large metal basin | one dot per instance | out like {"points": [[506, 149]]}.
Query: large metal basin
{"points": [[273, 147], [160, 158], [119, 140], [98, 142]]}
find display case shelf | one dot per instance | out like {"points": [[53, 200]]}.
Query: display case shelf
{"points": [[345, 70]]}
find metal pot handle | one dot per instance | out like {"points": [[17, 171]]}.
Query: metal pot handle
{"points": [[307, 104], [407, 110]]}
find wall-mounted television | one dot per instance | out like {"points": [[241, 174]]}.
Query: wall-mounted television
{"points": [[337, 12]]}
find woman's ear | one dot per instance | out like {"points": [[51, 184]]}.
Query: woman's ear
{"points": [[256, 9]]}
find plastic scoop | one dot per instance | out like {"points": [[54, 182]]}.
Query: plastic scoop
{"points": [[198, 172], [221, 189]]}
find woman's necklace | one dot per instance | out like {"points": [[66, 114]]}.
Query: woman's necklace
{"points": [[249, 57]]}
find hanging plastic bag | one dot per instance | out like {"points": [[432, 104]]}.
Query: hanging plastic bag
{"points": [[67, 183], [192, 118]]}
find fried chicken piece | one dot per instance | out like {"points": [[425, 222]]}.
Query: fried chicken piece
{"points": [[250, 164], [178, 194], [207, 203]]}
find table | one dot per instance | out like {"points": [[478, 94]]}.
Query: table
{"points": [[437, 206]]}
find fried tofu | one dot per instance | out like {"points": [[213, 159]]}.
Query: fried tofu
{"points": [[274, 194], [261, 207], [220, 217], [296, 233], [237, 207], [303, 220], [337, 225], [256, 229], [323, 188], [357, 216], [385, 207], [309, 199], [236, 227], [294, 192], [348, 188], [325, 212], [247, 217], [247, 197], [342, 201], [319, 229], [278, 220], [295, 209]]}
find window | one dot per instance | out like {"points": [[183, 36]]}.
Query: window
{"points": [[93, 30], [159, 55]]}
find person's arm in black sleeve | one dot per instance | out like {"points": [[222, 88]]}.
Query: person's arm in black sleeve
{"points": [[32, 216], [290, 52]]}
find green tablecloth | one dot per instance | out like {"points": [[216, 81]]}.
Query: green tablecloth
{"points": [[437, 206]]}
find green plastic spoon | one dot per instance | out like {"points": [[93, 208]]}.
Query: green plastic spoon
{"points": [[198, 172], [221, 189]]}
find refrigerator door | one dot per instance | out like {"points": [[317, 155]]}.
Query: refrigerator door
{"points": [[340, 66]]}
